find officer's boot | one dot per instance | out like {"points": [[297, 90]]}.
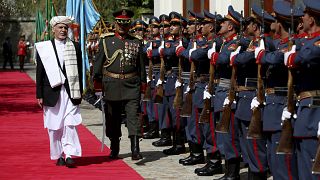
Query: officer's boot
{"points": [[257, 176], [232, 170], [165, 139], [212, 167], [196, 155], [187, 158], [153, 131], [135, 149], [115, 147]]}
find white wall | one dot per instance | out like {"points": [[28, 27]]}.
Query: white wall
{"points": [[167, 6], [221, 6]]}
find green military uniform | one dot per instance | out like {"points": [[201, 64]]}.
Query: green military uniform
{"points": [[120, 66]]}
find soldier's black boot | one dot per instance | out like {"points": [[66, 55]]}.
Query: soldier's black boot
{"points": [[115, 148], [153, 131], [187, 158], [135, 149], [196, 155], [212, 167], [165, 139], [232, 170], [178, 145]]}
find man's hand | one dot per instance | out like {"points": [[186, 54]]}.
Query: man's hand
{"points": [[254, 103], [179, 49], [159, 82], [233, 55], [193, 48], [177, 84], [226, 102], [40, 102], [287, 54], [212, 50], [261, 48], [160, 49], [206, 94]]}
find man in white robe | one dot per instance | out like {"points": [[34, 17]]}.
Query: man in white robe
{"points": [[59, 91]]}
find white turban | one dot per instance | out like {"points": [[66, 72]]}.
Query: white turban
{"points": [[60, 20]]}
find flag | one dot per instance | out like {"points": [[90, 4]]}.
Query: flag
{"points": [[40, 26], [85, 14], [50, 12]]}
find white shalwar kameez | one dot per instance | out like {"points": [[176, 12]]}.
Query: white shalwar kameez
{"points": [[61, 121]]}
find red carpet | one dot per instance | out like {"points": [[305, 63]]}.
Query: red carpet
{"points": [[24, 143]]}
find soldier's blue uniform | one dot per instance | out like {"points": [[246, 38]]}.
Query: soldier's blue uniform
{"points": [[307, 89], [221, 59], [206, 133], [148, 106], [283, 166]]}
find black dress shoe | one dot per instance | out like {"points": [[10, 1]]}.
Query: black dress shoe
{"points": [[163, 142], [151, 135], [185, 159], [61, 162], [175, 150], [194, 159], [70, 163], [209, 169], [114, 155]]}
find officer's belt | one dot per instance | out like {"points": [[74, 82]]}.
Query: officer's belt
{"points": [[203, 78], [279, 91], [308, 94], [120, 76], [225, 83], [245, 88]]}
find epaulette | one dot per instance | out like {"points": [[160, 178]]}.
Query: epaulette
{"points": [[106, 34], [317, 43]]}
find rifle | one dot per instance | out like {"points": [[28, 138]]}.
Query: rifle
{"points": [[255, 127], [178, 99], [205, 113], [147, 96], [223, 126], [286, 139], [160, 91], [186, 110]]}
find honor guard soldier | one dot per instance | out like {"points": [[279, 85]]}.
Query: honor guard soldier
{"points": [[151, 49], [305, 65], [192, 129], [221, 59], [138, 28], [283, 166], [121, 70], [164, 25], [171, 119], [203, 81]]}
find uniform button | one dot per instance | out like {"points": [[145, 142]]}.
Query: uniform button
{"points": [[273, 103], [244, 96]]}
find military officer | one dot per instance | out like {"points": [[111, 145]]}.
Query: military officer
{"points": [[151, 49], [221, 59], [305, 64], [206, 126], [121, 70]]}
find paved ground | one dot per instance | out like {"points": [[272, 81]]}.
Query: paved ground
{"points": [[155, 165]]}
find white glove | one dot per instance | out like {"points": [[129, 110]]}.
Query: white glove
{"points": [[287, 54], [235, 52], [150, 46], [254, 103], [226, 101], [148, 80], [180, 45], [212, 50], [194, 48], [159, 82], [206, 94], [318, 133], [187, 90], [285, 114], [161, 46], [258, 49], [177, 84]]}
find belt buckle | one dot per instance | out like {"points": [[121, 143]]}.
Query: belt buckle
{"points": [[251, 82], [122, 76]]}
